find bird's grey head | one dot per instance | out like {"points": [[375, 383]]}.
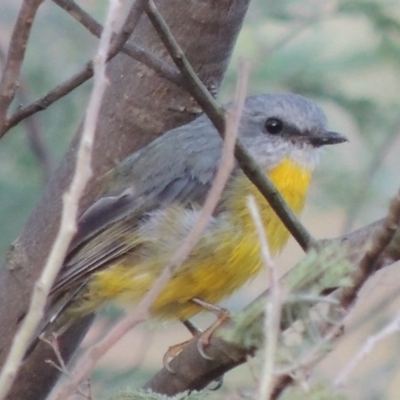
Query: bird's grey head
{"points": [[275, 126]]}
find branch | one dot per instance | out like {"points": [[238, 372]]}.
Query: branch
{"points": [[48, 99], [216, 114], [273, 307], [392, 327], [69, 214], [118, 41], [15, 56], [371, 262], [130, 49]]}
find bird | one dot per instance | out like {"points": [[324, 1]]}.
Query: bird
{"points": [[152, 199]]}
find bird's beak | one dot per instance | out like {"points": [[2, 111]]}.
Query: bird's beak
{"points": [[323, 138]]}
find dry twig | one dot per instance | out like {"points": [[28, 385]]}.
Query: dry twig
{"points": [[82, 76], [273, 307], [160, 67], [370, 261], [68, 217], [15, 56]]}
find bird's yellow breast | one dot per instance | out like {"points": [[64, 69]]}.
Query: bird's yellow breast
{"points": [[224, 259], [291, 180]]}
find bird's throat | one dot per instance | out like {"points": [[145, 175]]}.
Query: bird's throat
{"points": [[292, 181]]}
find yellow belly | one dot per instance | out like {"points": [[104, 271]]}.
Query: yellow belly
{"points": [[224, 259]]}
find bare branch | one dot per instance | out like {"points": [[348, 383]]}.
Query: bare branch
{"points": [[370, 261], [67, 228], [160, 67], [389, 329], [15, 56], [49, 98], [35, 139], [273, 307], [80, 77]]}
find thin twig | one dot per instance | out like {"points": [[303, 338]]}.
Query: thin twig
{"points": [[227, 164], [51, 97], [306, 361], [216, 114], [392, 327], [69, 213], [90, 358], [273, 307], [157, 65], [80, 77], [369, 263], [15, 56]]}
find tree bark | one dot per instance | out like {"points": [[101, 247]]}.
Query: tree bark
{"points": [[137, 107]]}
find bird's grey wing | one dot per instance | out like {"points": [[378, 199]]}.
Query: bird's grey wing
{"points": [[178, 167]]}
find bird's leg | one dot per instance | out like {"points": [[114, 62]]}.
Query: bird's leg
{"points": [[192, 328], [177, 348], [172, 352], [204, 337]]}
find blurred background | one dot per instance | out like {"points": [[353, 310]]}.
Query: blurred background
{"points": [[343, 54]]}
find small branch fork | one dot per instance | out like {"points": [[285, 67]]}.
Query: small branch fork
{"points": [[118, 44], [130, 49], [15, 56]]}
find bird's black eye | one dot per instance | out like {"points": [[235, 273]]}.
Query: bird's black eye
{"points": [[273, 125]]}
